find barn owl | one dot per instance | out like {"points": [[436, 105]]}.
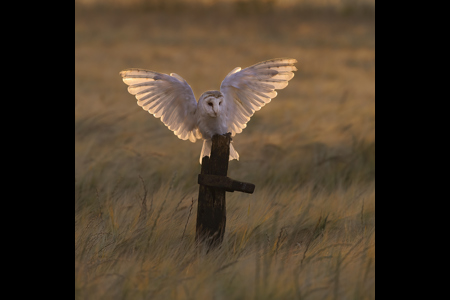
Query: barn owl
{"points": [[242, 92]]}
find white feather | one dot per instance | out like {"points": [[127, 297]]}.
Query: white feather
{"points": [[168, 97], [250, 89]]}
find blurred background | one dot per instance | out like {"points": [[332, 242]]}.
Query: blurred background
{"points": [[312, 147]]}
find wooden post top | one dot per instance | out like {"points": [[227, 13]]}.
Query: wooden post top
{"points": [[214, 169]]}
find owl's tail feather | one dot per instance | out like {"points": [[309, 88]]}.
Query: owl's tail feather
{"points": [[233, 152], [206, 150]]}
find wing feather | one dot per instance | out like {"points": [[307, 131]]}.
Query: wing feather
{"points": [[246, 91], [168, 97]]}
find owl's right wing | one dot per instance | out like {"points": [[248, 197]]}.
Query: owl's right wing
{"points": [[247, 90], [168, 97]]}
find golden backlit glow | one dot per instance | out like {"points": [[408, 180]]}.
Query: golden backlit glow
{"points": [[307, 232]]}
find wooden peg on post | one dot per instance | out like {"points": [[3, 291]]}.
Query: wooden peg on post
{"points": [[214, 183]]}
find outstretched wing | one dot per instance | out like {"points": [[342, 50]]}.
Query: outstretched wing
{"points": [[167, 97], [246, 91]]}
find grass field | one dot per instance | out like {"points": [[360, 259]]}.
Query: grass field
{"points": [[307, 232]]}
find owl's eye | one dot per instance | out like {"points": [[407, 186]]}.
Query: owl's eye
{"points": [[220, 103], [210, 104]]}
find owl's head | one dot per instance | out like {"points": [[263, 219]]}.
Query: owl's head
{"points": [[211, 102]]}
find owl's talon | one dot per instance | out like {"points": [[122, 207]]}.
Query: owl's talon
{"points": [[228, 133]]}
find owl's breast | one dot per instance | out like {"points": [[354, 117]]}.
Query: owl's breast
{"points": [[210, 126]]}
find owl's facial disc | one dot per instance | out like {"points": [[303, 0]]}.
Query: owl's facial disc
{"points": [[212, 102]]}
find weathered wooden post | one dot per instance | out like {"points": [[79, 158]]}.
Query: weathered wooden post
{"points": [[213, 180]]}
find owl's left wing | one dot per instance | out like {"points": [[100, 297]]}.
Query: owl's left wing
{"points": [[168, 97], [246, 91]]}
